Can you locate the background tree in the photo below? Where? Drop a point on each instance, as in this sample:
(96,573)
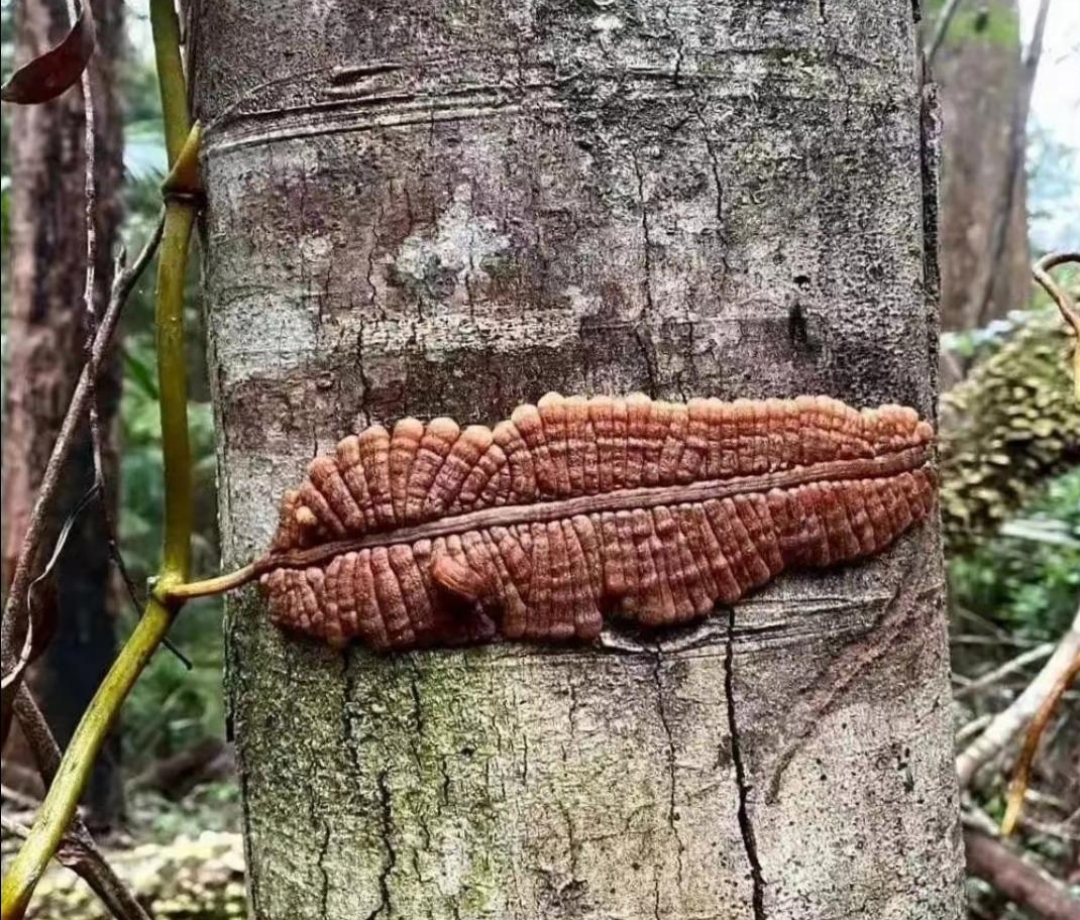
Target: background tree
(45,338)
(433,209)
(978,69)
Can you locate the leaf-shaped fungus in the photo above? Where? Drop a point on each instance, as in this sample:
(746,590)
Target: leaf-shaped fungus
(576,509)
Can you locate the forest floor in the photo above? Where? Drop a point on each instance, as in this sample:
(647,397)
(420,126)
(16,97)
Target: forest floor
(183,860)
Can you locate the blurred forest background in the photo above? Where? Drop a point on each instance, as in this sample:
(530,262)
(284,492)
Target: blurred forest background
(165,794)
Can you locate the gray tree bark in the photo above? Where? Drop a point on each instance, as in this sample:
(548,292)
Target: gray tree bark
(451,208)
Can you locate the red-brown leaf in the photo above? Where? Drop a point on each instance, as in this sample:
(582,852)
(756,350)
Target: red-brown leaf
(47,76)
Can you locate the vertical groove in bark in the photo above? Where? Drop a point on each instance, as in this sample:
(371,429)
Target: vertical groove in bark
(450,209)
(47,333)
(746,825)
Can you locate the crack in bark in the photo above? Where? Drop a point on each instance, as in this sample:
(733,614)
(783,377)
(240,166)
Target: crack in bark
(369,276)
(365,381)
(650,305)
(930,173)
(444,789)
(673,817)
(386,814)
(417,734)
(573,844)
(324,889)
(646,232)
(746,826)
(349,682)
(714,162)
(647,357)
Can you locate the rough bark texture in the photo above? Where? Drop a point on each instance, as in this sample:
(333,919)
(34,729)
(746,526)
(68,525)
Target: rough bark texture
(442,208)
(979,73)
(48,259)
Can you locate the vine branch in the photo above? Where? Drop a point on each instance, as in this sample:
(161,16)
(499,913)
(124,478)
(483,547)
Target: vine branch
(15,608)
(1070,313)
(181,191)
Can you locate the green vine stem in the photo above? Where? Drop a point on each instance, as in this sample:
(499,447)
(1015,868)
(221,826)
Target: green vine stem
(181,191)
(171,82)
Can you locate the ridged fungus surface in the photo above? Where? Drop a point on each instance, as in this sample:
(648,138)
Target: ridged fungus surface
(577,509)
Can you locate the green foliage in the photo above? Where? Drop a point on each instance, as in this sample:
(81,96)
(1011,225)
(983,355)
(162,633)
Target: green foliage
(1027,579)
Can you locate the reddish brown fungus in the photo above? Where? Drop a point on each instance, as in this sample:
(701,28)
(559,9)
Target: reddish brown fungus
(576,509)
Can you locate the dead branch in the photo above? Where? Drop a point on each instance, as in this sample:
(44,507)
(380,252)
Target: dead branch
(1019,881)
(1008,724)
(15,608)
(1022,776)
(19,798)
(941,29)
(976,686)
(79,852)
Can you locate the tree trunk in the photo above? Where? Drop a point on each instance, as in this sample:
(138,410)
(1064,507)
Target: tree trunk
(48,258)
(978,70)
(451,208)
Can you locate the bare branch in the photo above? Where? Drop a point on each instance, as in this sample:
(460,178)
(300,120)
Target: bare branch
(1069,311)
(90,316)
(14,609)
(973,687)
(1008,724)
(78,850)
(941,29)
(1018,880)
(1022,776)
(19,798)
(973,728)
(14,827)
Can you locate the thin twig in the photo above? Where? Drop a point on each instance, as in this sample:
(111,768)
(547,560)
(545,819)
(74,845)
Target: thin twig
(1022,775)
(92,360)
(996,642)
(44,508)
(1020,662)
(1041,271)
(1069,311)
(77,851)
(14,827)
(973,728)
(90,316)
(1057,831)
(941,28)
(1008,724)
(19,798)
(29,651)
